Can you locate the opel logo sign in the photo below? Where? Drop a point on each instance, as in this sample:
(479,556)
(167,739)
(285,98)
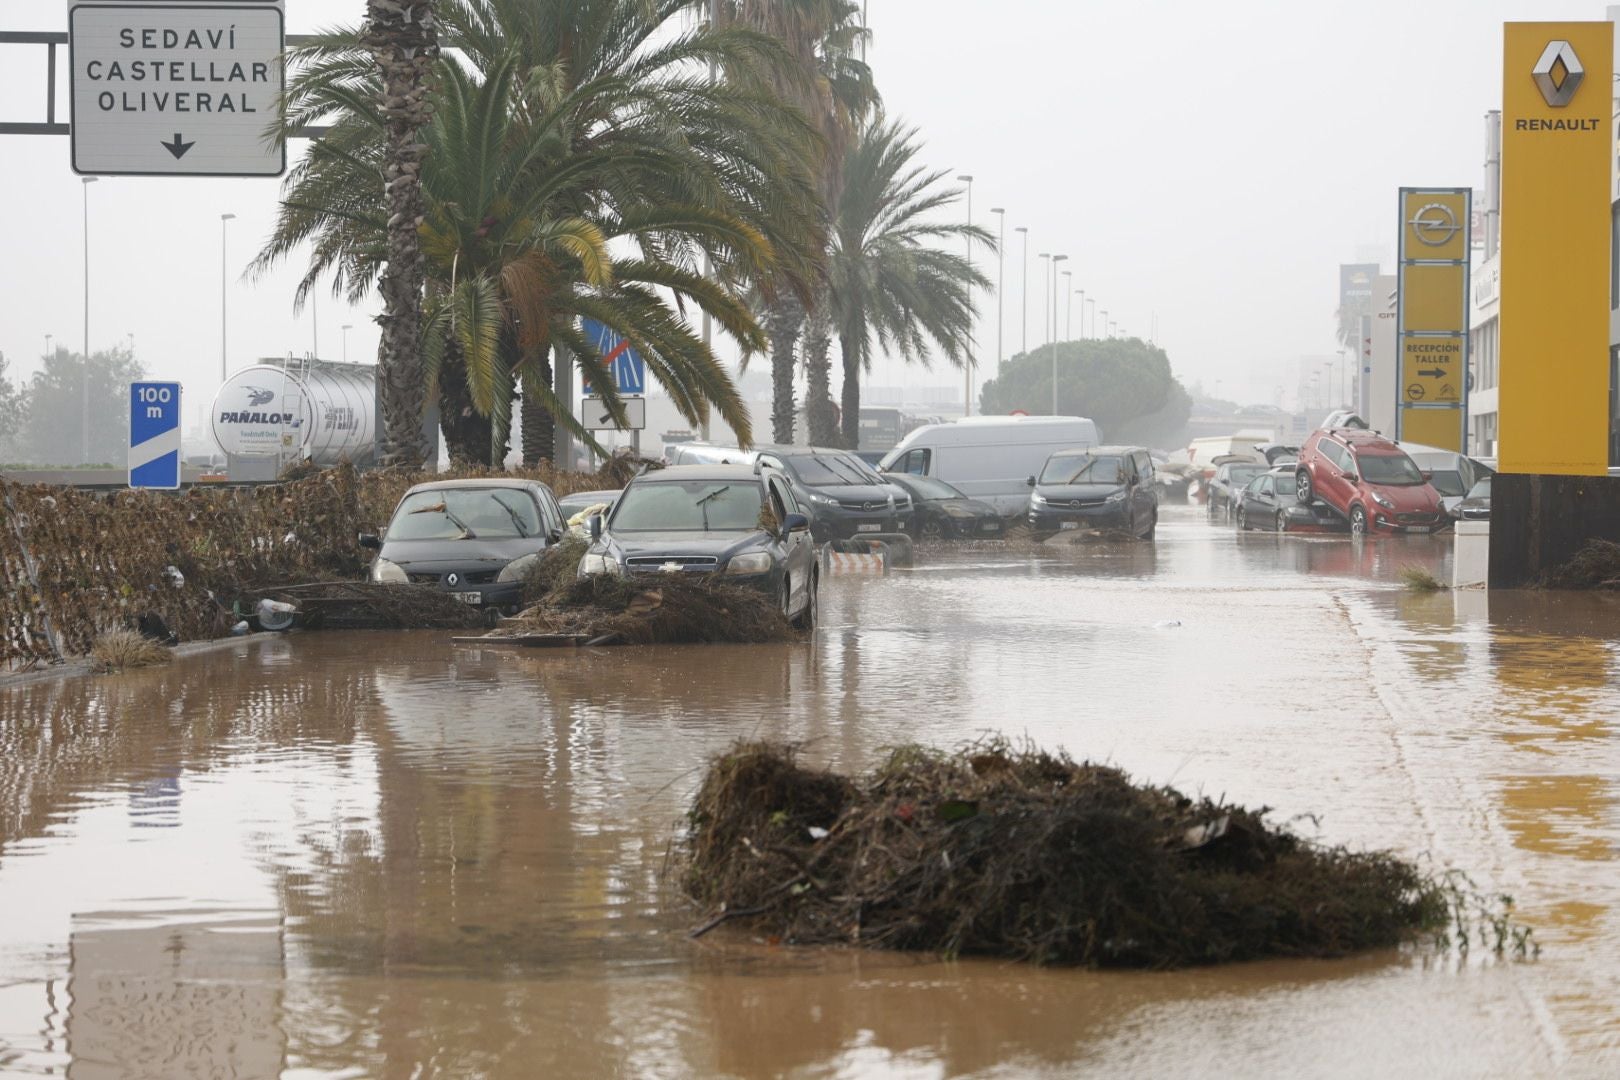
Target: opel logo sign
(452,579)
(1434,224)
(1558,73)
(869,506)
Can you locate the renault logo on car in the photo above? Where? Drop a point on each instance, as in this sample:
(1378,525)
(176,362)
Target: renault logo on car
(1434,224)
(1558,73)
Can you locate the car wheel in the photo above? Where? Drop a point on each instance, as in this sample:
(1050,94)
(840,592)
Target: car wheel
(787,597)
(1358,521)
(930,530)
(807,619)
(1153,526)
(1242,520)
(1282,521)
(1302,487)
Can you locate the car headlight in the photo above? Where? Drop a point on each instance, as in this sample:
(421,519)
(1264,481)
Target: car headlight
(1037,499)
(597,564)
(518,568)
(753,562)
(384,571)
(1384,501)
(1118,496)
(822,500)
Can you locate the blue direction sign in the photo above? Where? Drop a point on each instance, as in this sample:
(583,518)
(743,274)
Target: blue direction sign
(154,435)
(629,369)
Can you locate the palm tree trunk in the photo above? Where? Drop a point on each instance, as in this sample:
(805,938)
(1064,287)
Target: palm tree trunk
(819,414)
(539,426)
(851,403)
(403,39)
(466,434)
(782,323)
(500,425)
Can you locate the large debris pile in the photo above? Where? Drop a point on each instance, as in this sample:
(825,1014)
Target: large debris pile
(1595,566)
(642,609)
(1013,852)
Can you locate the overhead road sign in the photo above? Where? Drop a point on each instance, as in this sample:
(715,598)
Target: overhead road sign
(629,369)
(183,88)
(154,435)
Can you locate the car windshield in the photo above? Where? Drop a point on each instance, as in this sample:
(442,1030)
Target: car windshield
(690,506)
(1242,474)
(465,514)
(829,470)
(1396,470)
(1084,470)
(929,489)
(1447,481)
(1481,490)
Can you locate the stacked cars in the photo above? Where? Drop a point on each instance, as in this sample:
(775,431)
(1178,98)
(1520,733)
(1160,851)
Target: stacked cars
(1369,480)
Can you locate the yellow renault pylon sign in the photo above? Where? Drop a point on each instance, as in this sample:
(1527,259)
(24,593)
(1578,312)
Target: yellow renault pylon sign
(1554,392)
(1431,320)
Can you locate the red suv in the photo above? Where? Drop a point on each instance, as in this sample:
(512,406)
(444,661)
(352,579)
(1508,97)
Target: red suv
(1369,480)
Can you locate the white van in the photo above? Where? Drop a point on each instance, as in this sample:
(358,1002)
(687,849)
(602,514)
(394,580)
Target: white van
(990,458)
(1243,446)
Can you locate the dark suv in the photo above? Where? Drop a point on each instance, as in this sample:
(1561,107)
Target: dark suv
(842,494)
(1369,480)
(1103,487)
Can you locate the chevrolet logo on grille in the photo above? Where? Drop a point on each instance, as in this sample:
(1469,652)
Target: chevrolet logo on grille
(670,567)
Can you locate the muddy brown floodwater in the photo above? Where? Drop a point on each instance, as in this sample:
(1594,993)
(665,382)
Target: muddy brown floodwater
(386,855)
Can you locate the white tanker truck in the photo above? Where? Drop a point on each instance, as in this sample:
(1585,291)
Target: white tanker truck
(282,411)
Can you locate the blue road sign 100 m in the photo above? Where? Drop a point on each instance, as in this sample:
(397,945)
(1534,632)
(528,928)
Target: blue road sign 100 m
(154,435)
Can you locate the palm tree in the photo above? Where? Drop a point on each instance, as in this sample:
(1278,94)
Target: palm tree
(896,271)
(535,168)
(403,40)
(834,89)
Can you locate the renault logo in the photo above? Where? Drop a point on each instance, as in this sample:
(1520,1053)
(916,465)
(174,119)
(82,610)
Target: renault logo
(452,580)
(1558,73)
(1434,224)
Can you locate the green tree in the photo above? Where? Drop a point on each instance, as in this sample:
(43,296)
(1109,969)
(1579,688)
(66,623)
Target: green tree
(897,272)
(13,411)
(52,430)
(1124,384)
(833,87)
(575,166)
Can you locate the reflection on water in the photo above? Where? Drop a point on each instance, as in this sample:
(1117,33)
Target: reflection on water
(388,855)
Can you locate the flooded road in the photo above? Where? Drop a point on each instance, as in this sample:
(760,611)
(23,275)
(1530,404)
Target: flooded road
(386,855)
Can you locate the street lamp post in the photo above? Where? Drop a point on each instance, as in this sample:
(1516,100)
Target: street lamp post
(1082,293)
(1055,260)
(1105,323)
(1092,304)
(223,219)
(1068,305)
(84,382)
(1001,267)
(346,328)
(1046,290)
(48,345)
(1023,292)
(967,373)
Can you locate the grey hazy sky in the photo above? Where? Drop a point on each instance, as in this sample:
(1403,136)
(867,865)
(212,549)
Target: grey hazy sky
(1204,165)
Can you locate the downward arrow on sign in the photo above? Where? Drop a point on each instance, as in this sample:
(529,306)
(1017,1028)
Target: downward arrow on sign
(177,148)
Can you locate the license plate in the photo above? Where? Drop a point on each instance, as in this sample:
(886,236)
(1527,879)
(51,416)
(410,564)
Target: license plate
(469,597)
(873,527)
(1417,528)
(989,526)
(1068,524)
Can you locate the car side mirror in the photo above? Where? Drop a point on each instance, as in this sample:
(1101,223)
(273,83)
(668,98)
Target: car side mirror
(1029,482)
(795,523)
(595,527)
(371,540)
(556,535)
